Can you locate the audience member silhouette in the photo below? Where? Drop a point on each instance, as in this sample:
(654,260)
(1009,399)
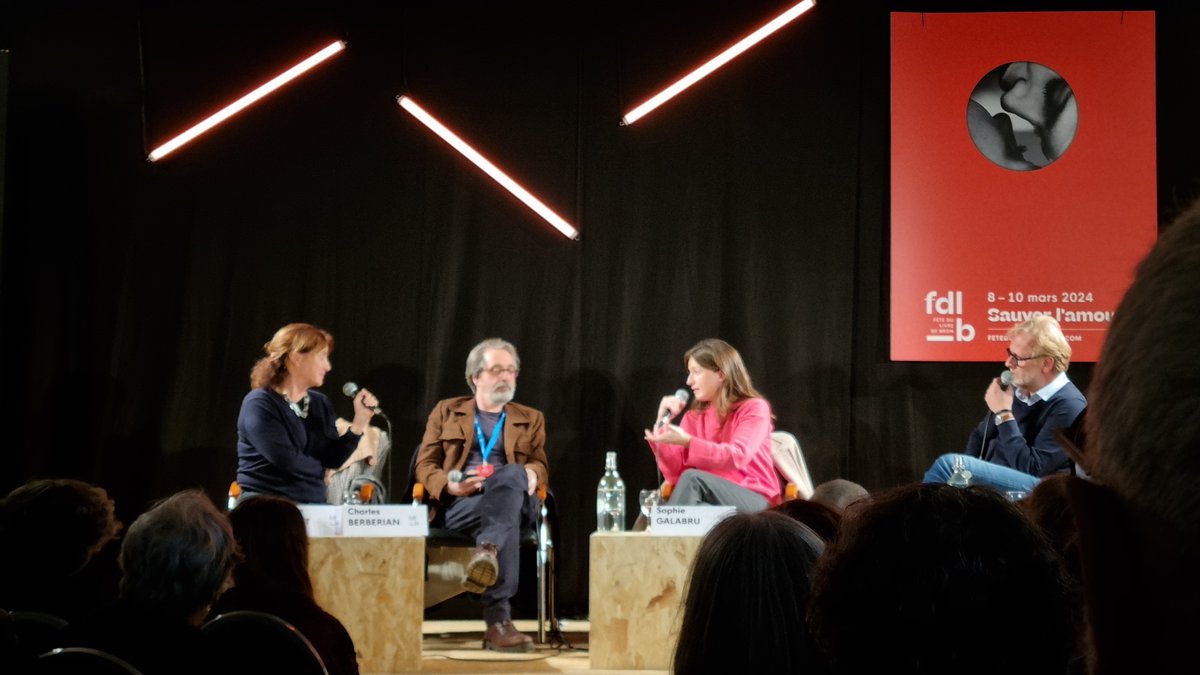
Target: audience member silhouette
(936,579)
(176,559)
(1139,516)
(819,518)
(746,599)
(1049,509)
(838,493)
(273,577)
(54,531)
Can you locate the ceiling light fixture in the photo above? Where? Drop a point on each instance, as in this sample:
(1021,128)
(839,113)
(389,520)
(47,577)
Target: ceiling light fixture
(487,167)
(245,101)
(716,62)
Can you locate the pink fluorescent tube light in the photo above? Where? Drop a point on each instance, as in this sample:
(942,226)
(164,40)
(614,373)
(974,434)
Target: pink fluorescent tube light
(716,62)
(245,101)
(488,168)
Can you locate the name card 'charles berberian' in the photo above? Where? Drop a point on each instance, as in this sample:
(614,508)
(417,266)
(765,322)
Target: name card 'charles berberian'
(686,520)
(384,520)
(365,520)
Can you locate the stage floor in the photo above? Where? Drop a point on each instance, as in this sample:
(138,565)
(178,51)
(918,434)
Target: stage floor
(454,647)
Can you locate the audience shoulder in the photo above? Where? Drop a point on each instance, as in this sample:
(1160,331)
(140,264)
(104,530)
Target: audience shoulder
(1142,429)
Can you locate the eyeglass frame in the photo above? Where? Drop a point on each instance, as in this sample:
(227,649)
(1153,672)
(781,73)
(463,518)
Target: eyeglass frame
(1018,359)
(497,371)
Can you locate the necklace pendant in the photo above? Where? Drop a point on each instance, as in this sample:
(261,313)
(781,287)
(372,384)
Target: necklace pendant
(299,407)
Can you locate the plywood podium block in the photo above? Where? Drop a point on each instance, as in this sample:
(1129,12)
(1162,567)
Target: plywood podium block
(638,582)
(375,586)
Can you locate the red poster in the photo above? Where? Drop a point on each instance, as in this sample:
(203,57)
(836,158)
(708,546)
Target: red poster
(1023,176)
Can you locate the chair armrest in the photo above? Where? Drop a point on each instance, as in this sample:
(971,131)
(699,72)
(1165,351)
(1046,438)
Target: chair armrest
(665,489)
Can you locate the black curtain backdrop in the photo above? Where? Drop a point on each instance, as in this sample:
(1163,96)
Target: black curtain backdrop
(754,207)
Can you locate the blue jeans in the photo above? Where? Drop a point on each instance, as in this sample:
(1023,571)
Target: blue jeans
(983,473)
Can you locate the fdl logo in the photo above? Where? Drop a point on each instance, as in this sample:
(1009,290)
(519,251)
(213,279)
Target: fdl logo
(946,312)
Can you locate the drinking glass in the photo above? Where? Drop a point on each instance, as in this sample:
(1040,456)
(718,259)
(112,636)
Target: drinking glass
(648,499)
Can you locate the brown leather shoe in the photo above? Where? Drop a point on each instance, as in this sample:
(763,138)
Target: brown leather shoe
(482,570)
(504,637)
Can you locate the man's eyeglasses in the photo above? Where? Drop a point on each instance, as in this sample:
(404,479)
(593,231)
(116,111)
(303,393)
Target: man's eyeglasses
(497,371)
(1019,359)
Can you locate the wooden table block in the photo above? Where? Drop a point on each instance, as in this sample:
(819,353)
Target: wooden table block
(638,583)
(375,586)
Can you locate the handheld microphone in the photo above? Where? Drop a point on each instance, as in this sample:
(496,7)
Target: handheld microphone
(682,395)
(1006,379)
(455,476)
(351,389)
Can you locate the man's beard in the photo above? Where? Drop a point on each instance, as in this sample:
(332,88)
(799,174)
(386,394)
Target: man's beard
(501,395)
(1022,382)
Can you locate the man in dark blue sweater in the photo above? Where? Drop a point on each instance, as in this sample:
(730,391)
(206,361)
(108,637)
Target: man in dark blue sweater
(1014,446)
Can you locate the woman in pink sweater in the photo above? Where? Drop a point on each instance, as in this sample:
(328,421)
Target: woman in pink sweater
(720,452)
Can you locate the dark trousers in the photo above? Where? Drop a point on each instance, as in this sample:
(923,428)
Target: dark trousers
(496,516)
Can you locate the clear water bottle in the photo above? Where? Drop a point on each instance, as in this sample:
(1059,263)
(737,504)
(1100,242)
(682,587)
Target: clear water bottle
(610,498)
(960,477)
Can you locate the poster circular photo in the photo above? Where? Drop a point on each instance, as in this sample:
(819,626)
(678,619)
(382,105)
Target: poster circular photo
(1022,116)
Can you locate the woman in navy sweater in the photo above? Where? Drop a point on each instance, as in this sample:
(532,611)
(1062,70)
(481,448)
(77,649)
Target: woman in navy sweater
(286,431)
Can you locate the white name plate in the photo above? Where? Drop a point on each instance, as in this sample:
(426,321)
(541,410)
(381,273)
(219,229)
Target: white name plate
(365,520)
(687,520)
(384,520)
(322,520)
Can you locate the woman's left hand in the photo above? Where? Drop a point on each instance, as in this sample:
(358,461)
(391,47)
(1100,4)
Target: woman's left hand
(669,434)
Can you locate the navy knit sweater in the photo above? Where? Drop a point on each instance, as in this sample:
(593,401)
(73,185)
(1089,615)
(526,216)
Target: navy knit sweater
(280,453)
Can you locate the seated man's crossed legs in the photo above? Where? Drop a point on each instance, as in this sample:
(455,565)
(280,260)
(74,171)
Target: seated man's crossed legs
(494,517)
(985,473)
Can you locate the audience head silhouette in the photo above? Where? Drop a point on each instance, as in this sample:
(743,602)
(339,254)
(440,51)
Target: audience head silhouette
(53,532)
(746,598)
(1138,518)
(818,517)
(838,493)
(177,557)
(1142,431)
(273,578)
(274,544)
(58,523)
(921,576)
